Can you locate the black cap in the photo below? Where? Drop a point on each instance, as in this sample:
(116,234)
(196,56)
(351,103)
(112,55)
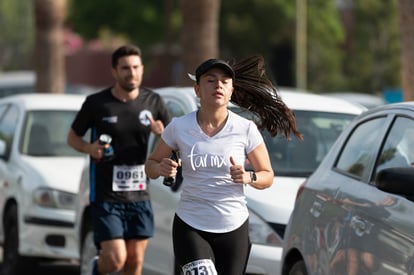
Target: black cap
(209,64)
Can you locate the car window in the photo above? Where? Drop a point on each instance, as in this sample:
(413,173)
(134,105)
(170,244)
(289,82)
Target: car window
(8,126)
(7,91)
(297,158)
(355,156)
(3,109)
(174,108)
(45,133)
(398,149)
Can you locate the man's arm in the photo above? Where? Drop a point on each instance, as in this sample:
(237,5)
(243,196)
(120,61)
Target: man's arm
(95,150)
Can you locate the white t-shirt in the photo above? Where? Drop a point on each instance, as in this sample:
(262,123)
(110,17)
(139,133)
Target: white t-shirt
(210,200)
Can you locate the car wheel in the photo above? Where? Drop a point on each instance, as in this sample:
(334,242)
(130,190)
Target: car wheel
(88,251)
(298,268)
(13,263)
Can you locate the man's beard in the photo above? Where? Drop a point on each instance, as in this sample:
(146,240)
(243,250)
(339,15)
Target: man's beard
(128,87)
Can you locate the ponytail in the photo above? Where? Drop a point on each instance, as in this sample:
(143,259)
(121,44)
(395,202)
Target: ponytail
(254,92)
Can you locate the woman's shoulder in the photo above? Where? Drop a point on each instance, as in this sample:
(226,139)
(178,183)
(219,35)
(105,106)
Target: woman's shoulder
(237,118)
(241,124)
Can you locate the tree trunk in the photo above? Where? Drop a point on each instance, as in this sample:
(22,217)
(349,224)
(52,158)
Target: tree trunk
(49,62)
(406,15)
(199,35)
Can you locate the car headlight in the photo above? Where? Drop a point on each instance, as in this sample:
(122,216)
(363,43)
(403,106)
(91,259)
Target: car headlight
(261,233)
(52,198)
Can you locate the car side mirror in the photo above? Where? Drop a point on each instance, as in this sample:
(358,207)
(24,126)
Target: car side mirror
(398,180)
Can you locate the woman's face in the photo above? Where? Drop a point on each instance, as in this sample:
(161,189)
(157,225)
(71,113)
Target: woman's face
(214,88)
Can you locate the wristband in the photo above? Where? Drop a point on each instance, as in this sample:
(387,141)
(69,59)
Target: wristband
(253,177)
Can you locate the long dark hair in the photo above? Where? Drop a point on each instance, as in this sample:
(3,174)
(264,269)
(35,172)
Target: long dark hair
(254,91)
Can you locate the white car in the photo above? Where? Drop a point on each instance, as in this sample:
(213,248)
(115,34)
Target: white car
(39,180)
(321,119)
(23,82)
(368,100)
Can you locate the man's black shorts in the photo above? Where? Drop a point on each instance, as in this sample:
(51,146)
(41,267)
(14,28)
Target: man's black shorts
(133,220)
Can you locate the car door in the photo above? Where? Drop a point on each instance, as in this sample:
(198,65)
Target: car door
(331,207)
(393,213)
(377,237)
(9,115)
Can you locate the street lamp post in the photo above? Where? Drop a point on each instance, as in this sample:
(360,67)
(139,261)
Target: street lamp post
(301,52)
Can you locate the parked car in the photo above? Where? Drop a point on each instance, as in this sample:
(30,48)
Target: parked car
(320,118)
(23,82)
(354,215)
(39,180)
(368,100)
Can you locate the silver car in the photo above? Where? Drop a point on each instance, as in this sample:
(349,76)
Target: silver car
(354,215)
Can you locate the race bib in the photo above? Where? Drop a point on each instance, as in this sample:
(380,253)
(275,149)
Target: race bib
(200,267)
(129,178)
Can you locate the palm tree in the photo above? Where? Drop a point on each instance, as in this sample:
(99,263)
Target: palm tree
(49,64)
(406,14)
(199,35)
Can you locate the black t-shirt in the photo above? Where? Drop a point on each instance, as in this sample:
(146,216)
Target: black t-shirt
(127,124)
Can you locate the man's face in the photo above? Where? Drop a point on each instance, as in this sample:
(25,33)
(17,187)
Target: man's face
(128,73)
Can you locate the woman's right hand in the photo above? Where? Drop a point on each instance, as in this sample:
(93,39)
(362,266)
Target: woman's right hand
(168,167)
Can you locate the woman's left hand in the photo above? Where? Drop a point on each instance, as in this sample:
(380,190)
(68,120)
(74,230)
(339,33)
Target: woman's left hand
(237,173)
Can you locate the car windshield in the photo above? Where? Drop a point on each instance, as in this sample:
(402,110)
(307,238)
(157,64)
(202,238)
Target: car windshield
(297,158)
(45,134)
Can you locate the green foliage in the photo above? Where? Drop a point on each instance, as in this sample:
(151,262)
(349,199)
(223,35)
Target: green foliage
(253,26)
(325,37)
(247,27)
(373,62)
(16,34)
(140,21)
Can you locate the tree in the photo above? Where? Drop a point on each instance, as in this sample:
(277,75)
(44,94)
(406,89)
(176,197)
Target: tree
(406,16)
(268,28)
(199,35)
(49,51)
(372,62)
(369,63)
(16,34)
(264,27)
(141,21)
(325,54)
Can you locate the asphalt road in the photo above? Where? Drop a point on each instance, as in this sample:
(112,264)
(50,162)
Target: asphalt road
(61,268)
(57,268)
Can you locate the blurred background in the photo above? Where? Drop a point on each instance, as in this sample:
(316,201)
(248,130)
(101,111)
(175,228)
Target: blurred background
(324,46)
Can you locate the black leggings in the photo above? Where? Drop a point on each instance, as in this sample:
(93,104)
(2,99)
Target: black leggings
(194,248)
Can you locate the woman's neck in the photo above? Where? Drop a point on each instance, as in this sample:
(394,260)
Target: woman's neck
(212,123)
